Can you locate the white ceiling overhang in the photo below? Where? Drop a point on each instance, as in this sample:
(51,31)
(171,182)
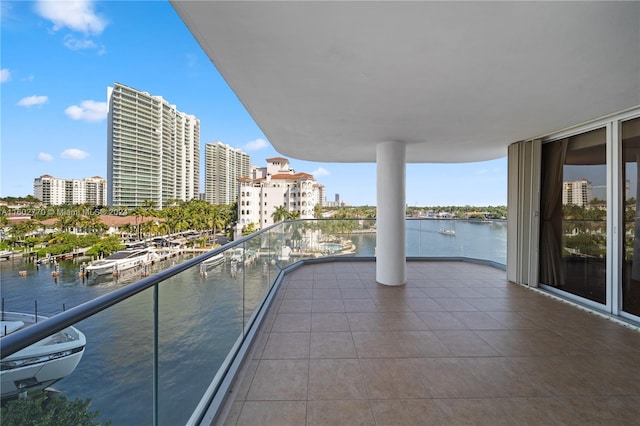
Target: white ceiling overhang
(456,81)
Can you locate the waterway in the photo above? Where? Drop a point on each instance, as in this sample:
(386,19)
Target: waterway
(200,319)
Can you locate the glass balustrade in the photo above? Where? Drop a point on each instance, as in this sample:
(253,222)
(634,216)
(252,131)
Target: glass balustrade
(158,355)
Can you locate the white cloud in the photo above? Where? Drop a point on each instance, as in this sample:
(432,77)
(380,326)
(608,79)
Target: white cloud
(33,100)
(77,15)
(256,145)
(320,171)
(5,75)
(73,43)
(43,156)
(88,111)
(74,154)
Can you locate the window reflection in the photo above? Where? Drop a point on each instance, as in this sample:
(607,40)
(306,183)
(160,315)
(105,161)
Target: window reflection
(573,215)
(631,244)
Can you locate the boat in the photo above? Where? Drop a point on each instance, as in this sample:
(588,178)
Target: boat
(122,260)
(450,232)
(41,364)
(214,260)
(5,254)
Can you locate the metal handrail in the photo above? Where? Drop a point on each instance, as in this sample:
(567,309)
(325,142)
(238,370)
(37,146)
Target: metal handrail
(20,339)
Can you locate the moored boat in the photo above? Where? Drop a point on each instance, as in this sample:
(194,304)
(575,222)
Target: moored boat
(42,363)
(122,260)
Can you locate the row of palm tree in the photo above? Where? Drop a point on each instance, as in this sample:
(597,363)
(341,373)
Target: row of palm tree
(180,216)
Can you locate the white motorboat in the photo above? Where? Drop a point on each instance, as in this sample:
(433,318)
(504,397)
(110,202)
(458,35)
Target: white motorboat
(122,260)
(214,260)
(450,232)
(42,363)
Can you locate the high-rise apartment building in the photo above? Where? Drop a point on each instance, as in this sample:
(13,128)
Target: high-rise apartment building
(274,186)
(223,167)
(153,152)
(56,191)
(577,193)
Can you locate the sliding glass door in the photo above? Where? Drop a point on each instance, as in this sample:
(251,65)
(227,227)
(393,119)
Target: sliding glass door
(630,291)
(573,212)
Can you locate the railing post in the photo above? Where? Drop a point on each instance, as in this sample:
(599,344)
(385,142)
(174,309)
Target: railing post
(155,355)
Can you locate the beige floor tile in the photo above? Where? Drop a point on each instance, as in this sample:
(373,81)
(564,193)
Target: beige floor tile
(339,413)
(280,380)
(336,321)
(359,305)
(530,343)
(441,320)
(292,322)
(483,411)
(327,305)
(406,412)
(290,345)
(326,293)
(354,293)
(336,379)
(448,378)
(465,343)
(295,306)
(392,379)
(272,413)
(477,321)
(332,344)
(385,321)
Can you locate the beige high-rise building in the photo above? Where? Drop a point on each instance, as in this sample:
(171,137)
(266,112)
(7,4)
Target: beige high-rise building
(54,191)
(224,166)
(153,152)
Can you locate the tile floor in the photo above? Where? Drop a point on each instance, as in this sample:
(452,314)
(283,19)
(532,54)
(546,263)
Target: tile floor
(456,345)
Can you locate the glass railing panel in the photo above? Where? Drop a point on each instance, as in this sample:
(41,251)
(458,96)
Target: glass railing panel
(433,238)
(200,321)
(114,370)
(485,240)
(338,237)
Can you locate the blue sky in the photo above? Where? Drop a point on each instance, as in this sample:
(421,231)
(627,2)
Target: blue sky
(59,57)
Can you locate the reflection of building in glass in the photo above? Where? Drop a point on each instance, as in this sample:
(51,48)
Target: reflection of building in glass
(577,193)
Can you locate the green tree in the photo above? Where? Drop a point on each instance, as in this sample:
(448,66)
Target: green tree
(40,410)
(279,214)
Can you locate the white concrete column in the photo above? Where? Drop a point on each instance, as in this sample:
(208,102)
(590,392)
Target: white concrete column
(390,235)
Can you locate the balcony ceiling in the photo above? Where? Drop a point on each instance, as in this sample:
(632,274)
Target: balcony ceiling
(456,81)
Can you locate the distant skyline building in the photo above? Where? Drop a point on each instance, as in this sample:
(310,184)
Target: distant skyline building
(577,193)
(54,191)
(153,150)
(223,167)
(274,186)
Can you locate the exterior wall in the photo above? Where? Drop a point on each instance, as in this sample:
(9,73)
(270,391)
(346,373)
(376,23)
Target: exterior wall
(153,150)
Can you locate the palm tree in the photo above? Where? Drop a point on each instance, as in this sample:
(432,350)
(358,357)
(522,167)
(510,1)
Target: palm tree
(279,214)
(139,213)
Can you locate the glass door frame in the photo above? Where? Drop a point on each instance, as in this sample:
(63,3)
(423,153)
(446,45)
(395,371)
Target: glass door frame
(615,212)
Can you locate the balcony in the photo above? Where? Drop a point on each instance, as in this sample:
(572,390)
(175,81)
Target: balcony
(306,336)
